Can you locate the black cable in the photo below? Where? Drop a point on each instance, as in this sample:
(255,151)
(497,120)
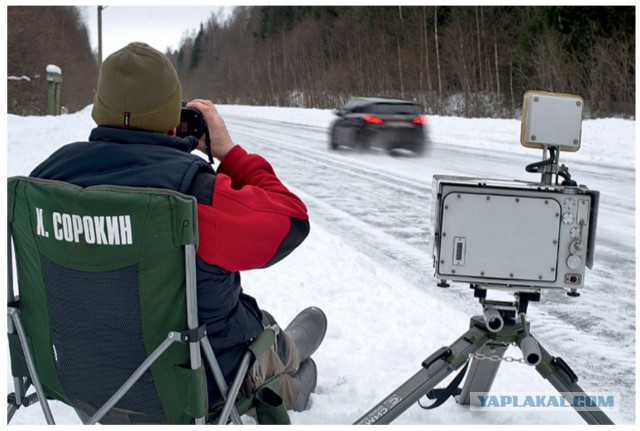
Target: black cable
(564,173)
(207,141)
(535,167)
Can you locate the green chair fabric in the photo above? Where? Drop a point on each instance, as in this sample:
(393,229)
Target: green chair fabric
(104,267)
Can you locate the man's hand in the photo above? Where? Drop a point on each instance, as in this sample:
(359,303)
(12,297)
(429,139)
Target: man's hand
(221,142)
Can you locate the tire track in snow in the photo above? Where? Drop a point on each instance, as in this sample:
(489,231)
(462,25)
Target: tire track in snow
(368,209)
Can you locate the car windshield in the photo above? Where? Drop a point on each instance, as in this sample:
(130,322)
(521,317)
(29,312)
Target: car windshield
(393,108)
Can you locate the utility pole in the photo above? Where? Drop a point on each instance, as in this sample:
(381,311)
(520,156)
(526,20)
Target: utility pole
(100,8)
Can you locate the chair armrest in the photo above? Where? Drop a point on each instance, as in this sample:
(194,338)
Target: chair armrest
(264,341)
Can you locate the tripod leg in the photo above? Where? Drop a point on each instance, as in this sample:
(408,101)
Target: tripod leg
(565,381)
(481,374)
(435,368)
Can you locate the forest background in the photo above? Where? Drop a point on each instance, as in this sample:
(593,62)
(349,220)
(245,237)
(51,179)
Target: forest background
(468,61)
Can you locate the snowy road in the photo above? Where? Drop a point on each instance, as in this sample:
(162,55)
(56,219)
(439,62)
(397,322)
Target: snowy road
(381,206)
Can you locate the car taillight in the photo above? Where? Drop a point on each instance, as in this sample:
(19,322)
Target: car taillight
(421,120)
(372,119)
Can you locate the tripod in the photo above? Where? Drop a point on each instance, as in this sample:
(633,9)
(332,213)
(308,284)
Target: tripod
(488,336)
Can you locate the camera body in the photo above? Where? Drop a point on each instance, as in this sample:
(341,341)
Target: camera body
(192,123)
(510,234)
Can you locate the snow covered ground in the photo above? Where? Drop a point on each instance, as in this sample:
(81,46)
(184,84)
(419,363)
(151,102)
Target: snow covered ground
(367,261)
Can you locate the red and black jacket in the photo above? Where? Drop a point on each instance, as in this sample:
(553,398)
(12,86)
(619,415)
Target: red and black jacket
(247,219)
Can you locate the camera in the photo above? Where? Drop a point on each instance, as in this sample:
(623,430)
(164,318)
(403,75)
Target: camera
(518,235)
(192,123)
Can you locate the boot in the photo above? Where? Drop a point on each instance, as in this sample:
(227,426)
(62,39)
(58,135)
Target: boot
(307,375)
(307,330)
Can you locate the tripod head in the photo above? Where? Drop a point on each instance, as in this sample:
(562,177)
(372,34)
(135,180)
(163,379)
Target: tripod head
(497,312)
(507,320)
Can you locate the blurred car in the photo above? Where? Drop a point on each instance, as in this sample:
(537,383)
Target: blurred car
(389,124)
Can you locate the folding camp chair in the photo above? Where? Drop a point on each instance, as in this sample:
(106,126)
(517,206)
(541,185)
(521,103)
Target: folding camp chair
(105,319)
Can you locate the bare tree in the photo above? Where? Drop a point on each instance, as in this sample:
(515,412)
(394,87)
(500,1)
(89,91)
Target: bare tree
(484,57)
(435,31)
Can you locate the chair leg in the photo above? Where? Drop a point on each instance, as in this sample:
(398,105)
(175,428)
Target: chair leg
(14,314)
(13,407)
(219,378)
(235,388)
(15,399)
(171,338)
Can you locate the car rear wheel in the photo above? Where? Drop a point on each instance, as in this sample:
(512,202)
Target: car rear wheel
(419,149)
(362,141)
(333,145)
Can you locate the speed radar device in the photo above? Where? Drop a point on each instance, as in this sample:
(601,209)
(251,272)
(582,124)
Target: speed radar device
(507,234)
(519,237)
(515,234)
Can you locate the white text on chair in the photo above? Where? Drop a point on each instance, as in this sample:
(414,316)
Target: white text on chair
(103,230)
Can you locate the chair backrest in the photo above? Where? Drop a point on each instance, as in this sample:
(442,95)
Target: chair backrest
(101,280)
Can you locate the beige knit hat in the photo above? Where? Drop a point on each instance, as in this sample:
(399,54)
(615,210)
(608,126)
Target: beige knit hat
(138,88)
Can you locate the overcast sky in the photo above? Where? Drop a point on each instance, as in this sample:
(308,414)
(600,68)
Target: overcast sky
(159,26)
